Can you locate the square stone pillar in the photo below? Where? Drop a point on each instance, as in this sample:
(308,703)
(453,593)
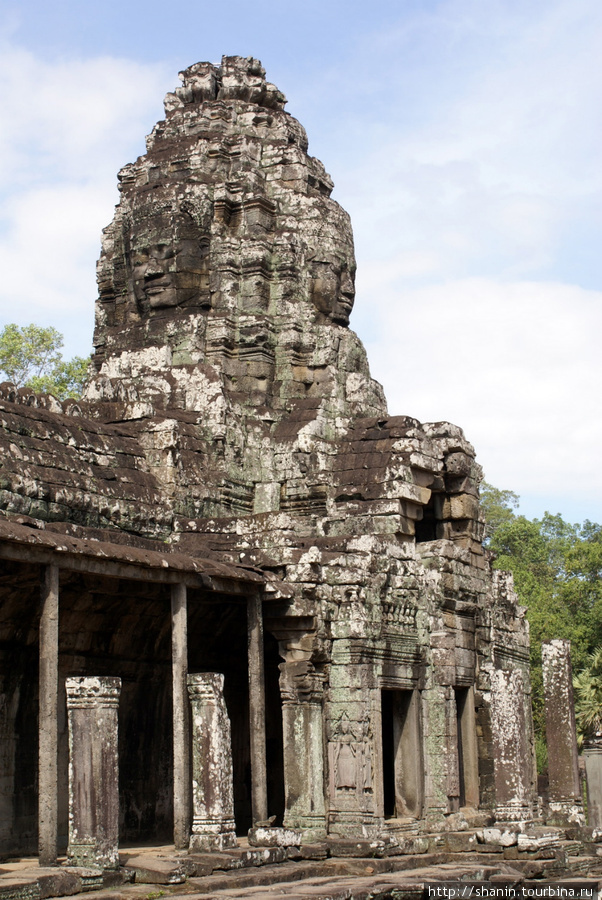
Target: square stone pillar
(92,704)
(592,754)
(212,776)
(513,760)
(180,717)
(259,781)
(565,804)
(48,720)
(302,690)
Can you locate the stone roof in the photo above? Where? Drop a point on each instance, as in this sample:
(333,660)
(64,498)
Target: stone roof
(20,541)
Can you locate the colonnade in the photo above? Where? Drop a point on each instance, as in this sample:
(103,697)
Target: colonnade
(203,814)
(92,711)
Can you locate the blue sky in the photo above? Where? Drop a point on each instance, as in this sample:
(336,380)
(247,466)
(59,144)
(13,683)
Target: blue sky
(463,137)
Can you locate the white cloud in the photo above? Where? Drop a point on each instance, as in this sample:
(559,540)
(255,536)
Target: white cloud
(477,213)
(73,119)
(66,128)
(517,365)
(45,254)
(485,154)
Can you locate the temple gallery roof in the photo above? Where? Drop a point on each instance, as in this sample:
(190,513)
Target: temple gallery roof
(28,540)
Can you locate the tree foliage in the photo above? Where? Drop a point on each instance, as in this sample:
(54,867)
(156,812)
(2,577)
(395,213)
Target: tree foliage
(30,357)
(497,507)
(557,569)
(587,685)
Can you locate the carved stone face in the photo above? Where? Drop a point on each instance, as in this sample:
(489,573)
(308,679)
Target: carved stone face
(169,264)
(332,288)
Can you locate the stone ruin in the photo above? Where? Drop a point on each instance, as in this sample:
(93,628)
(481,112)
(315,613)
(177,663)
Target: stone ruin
(275,588)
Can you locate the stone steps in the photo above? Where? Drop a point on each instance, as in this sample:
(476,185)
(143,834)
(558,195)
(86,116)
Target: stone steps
(56,881)
(150,873)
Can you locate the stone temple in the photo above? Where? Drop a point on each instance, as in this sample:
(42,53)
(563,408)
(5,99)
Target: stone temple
(261,594)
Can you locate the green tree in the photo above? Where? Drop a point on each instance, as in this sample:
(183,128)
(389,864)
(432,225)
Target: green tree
(497,507)
(30,357)
(556,568)
(587,685)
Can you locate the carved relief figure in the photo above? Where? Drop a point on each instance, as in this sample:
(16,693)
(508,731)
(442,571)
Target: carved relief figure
(352,614)
(365,755)
(345,760)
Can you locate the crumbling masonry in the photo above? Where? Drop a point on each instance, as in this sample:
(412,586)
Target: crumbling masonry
(230,520)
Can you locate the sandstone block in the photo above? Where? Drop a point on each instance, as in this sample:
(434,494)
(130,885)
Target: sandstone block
(260,836)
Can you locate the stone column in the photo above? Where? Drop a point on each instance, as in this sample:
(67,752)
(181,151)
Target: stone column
(92,704)
(593,769)
(409,766)
(302,691)
(439,761)
(453,749)
(48,722)
(212,777)
(181,717)
(470,750)
(565,805)
(259,786)
(513,762)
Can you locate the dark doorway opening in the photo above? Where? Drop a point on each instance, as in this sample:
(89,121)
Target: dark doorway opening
(217,642)
(388,753)
(273,730)
(461,696)
(402,754)
(426,528)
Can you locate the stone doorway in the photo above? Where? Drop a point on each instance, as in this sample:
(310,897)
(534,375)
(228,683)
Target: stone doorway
(468,773)
(403,790)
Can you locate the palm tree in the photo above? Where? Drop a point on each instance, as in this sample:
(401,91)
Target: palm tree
(587,686)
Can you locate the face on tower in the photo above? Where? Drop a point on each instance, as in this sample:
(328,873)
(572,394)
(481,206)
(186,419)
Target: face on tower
(332,287)
(168,262)
(226,213)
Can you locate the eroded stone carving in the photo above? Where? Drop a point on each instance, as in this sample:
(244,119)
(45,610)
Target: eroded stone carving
(345,756)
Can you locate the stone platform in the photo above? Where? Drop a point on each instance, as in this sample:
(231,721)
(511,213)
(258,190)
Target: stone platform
(346,869)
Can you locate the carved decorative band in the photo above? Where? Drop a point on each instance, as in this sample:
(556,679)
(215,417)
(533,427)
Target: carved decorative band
(92,691)
(212,825)
(298,698)
(207,687)
(513,813)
